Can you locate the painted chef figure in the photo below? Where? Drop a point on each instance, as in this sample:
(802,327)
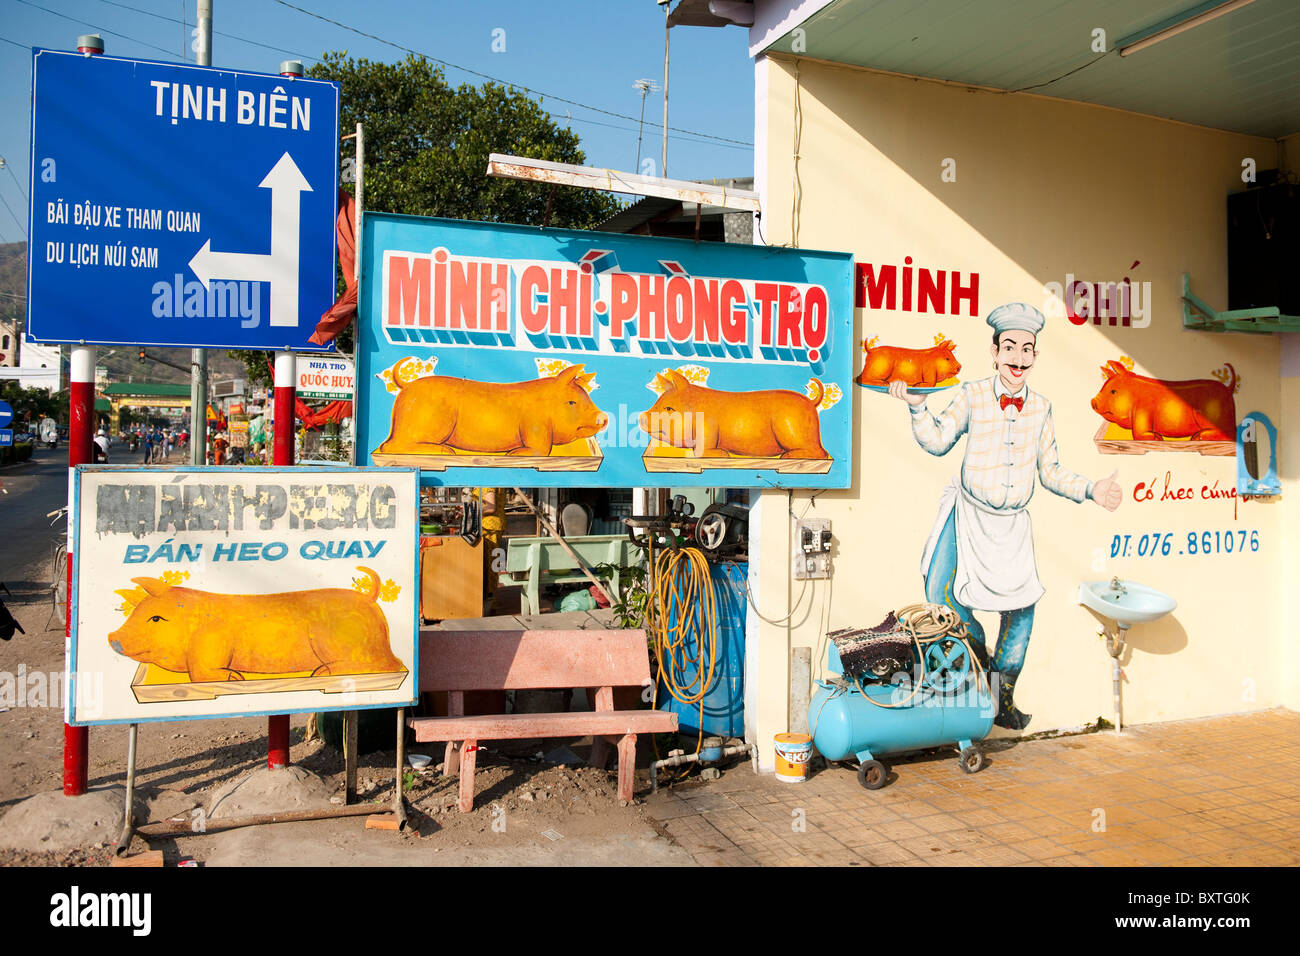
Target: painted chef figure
(980,554)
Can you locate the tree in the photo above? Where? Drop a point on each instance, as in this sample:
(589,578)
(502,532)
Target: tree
(427,147)
(29,404)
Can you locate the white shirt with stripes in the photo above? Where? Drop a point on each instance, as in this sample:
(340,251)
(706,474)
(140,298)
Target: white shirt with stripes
(1004,448)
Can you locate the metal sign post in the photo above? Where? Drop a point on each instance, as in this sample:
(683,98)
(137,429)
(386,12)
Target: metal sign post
(277,725)
(286,382)
(81,420)
(81,431)
(199,357)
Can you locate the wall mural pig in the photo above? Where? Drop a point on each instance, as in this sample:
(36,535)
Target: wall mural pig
(1155,409)
(913,367)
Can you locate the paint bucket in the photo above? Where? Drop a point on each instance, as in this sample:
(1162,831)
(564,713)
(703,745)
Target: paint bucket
(792,753)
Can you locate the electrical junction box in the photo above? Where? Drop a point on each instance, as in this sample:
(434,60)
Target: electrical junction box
(811,548)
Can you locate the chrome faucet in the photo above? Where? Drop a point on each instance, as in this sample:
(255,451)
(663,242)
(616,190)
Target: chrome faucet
(1117,586)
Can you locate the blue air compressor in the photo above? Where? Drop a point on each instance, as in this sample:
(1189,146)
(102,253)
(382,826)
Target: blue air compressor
(911,683)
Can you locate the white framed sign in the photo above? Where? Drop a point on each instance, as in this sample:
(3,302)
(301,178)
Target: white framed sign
(223,592)
(325,377)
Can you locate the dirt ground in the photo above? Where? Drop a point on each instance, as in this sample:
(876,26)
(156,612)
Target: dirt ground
(526,810)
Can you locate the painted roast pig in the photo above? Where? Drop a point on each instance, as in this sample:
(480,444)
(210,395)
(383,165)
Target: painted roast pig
(439,415)
(1154,409)
(923,367)
(716,424)
(328,631)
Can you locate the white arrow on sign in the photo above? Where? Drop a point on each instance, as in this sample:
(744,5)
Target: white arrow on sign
(280,268)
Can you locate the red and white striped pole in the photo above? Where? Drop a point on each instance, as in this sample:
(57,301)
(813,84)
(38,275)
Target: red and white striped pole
(81,439)
(286,383)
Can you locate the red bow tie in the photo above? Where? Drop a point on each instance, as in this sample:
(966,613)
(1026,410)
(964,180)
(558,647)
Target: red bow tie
(1018,401)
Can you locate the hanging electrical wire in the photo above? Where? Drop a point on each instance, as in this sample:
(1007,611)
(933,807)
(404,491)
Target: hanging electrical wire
(87,23)
(507,83)
(228,36)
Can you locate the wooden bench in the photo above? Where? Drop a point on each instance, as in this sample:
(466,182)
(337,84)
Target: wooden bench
(460,661)
(534,562)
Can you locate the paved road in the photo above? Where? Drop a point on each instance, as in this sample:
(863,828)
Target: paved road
(34,488)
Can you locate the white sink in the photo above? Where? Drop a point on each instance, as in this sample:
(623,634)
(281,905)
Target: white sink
(1125,602)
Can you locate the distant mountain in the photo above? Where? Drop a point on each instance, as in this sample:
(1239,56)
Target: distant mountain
(122,361)
(13,281)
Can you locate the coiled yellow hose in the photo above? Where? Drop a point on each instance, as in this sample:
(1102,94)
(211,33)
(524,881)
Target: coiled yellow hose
(682,592)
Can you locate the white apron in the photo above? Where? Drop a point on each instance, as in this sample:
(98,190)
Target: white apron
(995,553)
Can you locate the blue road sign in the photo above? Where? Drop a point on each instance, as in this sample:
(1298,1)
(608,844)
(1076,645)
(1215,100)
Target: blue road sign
(6,437)
(6,414)
(179,205)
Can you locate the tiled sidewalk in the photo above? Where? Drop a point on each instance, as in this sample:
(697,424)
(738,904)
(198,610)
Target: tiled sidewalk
(1214,792)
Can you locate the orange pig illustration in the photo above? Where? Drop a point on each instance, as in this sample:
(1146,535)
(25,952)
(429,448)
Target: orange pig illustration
(717,424)
(1154,409)
(438,415)
(217,637)
(914,367)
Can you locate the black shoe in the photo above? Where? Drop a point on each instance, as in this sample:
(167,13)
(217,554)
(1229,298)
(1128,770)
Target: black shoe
(1008,716)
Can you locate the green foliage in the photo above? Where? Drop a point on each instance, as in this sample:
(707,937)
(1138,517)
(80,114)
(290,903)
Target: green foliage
(255,363)
(30,403)
(633,606)
(427,145)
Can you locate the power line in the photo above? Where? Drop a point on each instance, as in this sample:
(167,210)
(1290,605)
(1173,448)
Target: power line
(21,227)
(9,166)
(305,56)
(87,23)
(628,129)
(494,79)
(20,46)
(229,36)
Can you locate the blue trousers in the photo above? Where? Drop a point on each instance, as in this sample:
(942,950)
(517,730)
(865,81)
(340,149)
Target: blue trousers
(1015,627)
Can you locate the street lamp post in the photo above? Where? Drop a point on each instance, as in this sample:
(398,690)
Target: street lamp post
(663,159)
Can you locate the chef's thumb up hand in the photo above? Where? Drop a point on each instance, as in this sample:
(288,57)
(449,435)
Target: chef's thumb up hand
(1107,492)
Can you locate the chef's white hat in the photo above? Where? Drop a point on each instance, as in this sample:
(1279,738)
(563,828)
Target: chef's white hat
(1016,316)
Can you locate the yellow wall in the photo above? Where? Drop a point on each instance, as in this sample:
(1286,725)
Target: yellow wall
(1043,188)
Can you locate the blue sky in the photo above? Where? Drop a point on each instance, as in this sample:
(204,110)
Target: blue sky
(587,51)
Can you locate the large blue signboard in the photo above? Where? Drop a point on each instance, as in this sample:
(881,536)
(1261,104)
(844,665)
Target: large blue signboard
(497,355)
(179,205)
